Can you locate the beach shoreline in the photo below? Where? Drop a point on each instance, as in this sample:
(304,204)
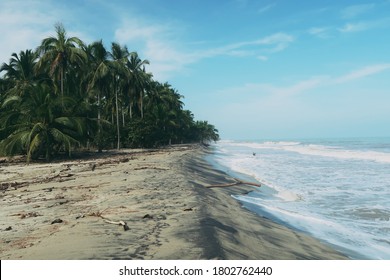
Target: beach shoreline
(138,204)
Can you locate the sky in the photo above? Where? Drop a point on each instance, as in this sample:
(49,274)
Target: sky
(255,69)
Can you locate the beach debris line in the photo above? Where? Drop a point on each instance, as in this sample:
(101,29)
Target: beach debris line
(235,183)
(56,178)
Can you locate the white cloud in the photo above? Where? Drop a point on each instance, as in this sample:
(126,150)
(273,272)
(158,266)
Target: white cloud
(135,30)
(365,25)
(266,8)
(265,89)
(316,30)
(355,27)
(262,57)
(270,44)
(302,86)
(158,43)
(356,10)
(361,73)
(23,25)
(277,41)
(320,32)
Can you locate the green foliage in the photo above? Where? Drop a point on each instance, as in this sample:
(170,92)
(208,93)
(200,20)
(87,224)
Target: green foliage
(143,133)
(206,132)
(67,95)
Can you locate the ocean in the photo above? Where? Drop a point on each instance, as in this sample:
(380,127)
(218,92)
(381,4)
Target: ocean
(337,190)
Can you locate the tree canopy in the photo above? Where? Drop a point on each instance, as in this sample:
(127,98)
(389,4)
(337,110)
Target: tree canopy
(66,95)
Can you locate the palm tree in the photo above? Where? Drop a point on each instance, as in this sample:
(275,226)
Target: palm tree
(99,82)
(186,120)
(206,132)
(20,72)
(164,105)
(139,79)
(119,55)
(57,53)
(34,124)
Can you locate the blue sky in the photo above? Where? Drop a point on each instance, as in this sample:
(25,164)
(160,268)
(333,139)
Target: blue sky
(255,69)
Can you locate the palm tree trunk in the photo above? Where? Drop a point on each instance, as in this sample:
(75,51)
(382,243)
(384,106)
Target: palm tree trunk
(62,86)
(142,104)
(99,127)
(117,120)
(123,117)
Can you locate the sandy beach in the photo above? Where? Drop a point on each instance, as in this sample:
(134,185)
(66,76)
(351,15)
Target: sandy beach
(137,204)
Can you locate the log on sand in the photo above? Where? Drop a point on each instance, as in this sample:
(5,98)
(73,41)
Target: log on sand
(236,183)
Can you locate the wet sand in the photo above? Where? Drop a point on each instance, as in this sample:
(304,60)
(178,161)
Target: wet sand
(137,204)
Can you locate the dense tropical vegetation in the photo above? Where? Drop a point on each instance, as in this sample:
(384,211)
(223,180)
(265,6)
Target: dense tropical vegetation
(67,95)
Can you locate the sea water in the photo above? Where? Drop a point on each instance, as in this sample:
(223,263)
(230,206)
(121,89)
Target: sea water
(337,190)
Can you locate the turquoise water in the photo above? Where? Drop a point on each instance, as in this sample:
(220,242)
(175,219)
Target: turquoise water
(338,190)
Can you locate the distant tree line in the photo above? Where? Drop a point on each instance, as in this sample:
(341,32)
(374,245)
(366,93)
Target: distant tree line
(67,95)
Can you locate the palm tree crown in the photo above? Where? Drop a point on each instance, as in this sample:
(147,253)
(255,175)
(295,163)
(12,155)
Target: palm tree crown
(57,53)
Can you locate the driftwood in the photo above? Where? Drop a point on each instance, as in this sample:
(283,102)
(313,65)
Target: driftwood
(120,223)
(237,182)
(27,215)
(151,167)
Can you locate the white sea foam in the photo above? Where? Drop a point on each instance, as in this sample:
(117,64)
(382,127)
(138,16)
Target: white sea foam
(288,215)
(288,196)
(317,150)
(336,190)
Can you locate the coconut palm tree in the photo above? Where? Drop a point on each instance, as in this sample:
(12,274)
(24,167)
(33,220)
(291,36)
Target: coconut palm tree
(35,125)
(119,58)
(58,53)
(20,72)
(139,79)
(206,132)
(100,79)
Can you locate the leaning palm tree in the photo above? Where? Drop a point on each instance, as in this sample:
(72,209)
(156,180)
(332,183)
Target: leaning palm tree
(58,53)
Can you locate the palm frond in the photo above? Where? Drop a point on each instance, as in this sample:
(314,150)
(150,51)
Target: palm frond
(11,101)
(14,143)
(63,138)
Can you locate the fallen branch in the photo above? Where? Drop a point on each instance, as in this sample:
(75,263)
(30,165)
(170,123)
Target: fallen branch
(150,167)
(120,223)
(237,182)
